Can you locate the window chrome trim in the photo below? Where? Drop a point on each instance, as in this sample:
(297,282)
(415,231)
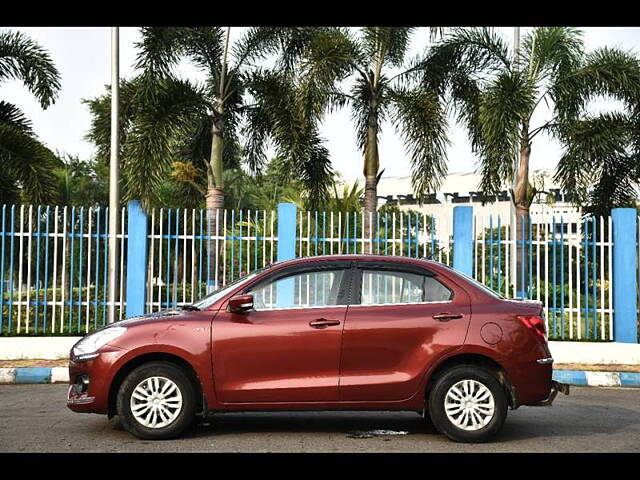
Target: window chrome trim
(298,308)
(395,304)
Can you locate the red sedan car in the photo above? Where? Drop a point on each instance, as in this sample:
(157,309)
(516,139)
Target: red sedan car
(344,332)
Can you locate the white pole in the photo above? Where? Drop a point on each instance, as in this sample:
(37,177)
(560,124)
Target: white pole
(512,207)
(114,194)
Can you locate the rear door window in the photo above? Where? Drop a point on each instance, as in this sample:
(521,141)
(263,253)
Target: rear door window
(384,287)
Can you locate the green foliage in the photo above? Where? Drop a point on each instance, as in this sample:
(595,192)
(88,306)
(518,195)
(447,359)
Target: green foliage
(23,59)
(26,162)
(495,94)
(82,182)
(168,121)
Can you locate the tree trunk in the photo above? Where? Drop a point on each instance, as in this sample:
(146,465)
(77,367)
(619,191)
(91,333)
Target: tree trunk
(214,203)
(214,200)
(371,165)
(522,201)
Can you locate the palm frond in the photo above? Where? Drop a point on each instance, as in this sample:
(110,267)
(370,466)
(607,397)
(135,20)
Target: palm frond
(505,104)
(361,102)
(391,42)
(593,145)
(476,49)
(328,59)
(160,50)
(29,163)
(604,72)
(151,147)
(616,187)
(99,132)
(277,117)
(12,115)
(551,51)
(421,121)
(204,47)
(23,59)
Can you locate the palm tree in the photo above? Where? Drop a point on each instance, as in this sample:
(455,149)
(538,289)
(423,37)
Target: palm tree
(190,132)
(383,89)
(496,92)
(25,162)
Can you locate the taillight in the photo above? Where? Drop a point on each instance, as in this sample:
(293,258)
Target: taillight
(535,323)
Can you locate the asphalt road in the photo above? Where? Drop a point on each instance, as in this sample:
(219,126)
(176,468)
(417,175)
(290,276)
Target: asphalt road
(34,418)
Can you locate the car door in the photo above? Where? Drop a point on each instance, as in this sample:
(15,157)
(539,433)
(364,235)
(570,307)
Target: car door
(288,348)
(401,319)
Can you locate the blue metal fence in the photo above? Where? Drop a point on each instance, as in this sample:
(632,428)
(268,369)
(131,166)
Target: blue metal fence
(53,269)
(53,266)
(566,262)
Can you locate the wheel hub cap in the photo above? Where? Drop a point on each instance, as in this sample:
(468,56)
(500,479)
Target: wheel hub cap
(156,402)
(469,405)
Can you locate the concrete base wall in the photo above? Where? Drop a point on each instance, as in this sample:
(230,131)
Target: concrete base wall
(610,353)
(46,348)
(596,353)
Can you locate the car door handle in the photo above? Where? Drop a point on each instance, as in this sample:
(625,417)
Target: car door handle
(446,316)
(323,323)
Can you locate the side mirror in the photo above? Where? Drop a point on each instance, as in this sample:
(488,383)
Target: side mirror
(241,303)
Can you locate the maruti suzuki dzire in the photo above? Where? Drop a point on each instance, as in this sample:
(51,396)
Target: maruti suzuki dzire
(340,332)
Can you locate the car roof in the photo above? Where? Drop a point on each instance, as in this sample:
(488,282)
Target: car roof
(359,257)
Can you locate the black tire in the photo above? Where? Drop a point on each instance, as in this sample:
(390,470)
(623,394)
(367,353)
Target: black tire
(167,370)
(436,404)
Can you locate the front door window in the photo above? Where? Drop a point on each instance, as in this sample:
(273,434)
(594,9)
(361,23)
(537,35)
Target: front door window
(301,290)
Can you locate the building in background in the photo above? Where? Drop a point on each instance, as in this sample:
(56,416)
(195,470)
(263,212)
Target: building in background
(462,189)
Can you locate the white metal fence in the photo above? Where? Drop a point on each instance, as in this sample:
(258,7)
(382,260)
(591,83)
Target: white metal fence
(180,270)
(54,269)
(568,267)
(53,266)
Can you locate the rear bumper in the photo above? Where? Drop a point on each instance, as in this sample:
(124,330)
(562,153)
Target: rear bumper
(555,388)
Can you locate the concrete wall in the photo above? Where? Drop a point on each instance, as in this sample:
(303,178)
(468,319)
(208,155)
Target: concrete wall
(594,353)
(609,353)
(47,348)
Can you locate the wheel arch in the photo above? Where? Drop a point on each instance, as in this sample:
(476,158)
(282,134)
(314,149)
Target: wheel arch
(147,357)
(475,359)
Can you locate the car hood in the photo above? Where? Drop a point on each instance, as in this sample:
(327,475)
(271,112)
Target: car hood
(150,317)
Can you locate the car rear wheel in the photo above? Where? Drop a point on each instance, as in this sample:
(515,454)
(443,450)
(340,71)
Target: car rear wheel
(468,404)
(156,401)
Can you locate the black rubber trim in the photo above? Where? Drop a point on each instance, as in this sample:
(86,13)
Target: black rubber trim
(395,266)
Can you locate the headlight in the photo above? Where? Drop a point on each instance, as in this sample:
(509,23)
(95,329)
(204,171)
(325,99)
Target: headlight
(91,343)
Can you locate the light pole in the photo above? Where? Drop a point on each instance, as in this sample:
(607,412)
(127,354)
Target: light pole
(514,219)
(114,194)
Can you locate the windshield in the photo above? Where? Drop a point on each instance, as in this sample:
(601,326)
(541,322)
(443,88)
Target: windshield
(216,295)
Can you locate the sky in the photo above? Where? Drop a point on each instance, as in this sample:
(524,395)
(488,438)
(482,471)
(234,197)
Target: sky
(83,58)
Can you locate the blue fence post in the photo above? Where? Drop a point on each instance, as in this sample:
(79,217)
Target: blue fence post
(286,250)
(136,259)
(463,239)
(625,320)
(286,231)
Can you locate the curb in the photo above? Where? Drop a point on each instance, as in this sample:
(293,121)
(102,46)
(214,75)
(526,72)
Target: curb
(597,379)
(34,375)
(572,377)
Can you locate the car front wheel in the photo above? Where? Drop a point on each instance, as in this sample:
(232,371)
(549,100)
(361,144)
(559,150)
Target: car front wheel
(156,401)
(468,404)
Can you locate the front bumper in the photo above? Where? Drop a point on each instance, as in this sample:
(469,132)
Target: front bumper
(555,388)
(99,374)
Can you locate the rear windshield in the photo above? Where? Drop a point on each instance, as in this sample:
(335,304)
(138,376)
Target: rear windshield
(476,283)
